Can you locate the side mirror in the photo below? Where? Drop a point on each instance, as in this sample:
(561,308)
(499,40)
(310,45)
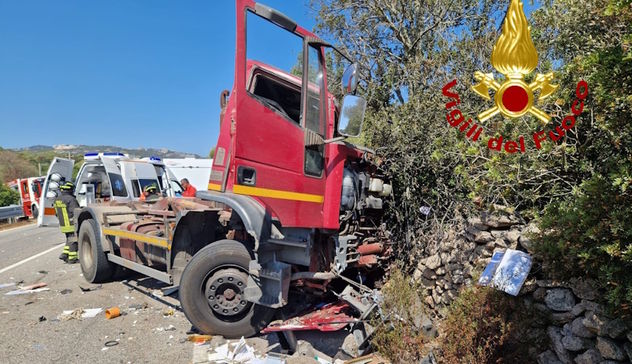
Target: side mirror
(351,116)
(350,80)
(51,194)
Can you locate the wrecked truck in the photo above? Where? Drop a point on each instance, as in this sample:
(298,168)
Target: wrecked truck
(291,206)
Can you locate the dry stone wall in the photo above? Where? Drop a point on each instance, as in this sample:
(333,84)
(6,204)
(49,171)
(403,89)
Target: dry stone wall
(578,327)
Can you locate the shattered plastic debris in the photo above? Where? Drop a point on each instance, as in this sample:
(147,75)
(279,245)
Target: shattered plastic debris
(90,289)
(199,339)
(240,353)
(168,328)
(5,285)
(66,291)
(232,353)
(112,312)
(33,288)
(138,306)
(168,312)
(157,293)
(79,313)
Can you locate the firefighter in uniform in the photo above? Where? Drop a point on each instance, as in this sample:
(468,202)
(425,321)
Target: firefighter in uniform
(65,206)
(150,193)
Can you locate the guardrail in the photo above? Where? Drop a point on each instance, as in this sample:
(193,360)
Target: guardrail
(8,212)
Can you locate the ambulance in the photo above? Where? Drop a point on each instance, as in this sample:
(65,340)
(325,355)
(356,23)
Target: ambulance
(109,176)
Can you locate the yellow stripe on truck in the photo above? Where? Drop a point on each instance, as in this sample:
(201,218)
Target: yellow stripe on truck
(153,240)
(214,187)
(280,194)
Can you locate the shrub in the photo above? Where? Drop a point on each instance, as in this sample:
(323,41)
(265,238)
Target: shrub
(8,196)
(400,340)
(487,326)
(590,235)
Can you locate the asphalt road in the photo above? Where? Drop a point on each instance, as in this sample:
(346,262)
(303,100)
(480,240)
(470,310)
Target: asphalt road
(151,330)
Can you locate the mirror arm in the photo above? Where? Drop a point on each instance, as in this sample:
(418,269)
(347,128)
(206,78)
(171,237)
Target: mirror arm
(334,139)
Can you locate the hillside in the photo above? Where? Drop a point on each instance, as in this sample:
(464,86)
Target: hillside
(34,160)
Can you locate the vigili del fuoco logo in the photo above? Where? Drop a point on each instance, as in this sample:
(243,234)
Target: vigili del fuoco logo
(515,57)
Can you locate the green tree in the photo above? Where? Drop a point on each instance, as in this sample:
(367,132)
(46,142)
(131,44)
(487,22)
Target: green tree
(410,50)
(8,196)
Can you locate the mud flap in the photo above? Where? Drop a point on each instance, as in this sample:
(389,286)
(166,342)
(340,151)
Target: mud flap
(268,285)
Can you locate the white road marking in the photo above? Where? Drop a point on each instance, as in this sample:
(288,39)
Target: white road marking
(31,258)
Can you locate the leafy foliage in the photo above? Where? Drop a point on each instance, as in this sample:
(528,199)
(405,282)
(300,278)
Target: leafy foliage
(486,326)
(410,50)
(8,196)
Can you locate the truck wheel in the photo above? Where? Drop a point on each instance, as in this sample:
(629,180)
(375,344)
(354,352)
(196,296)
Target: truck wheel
(34,211)
(211,292)
(94,264)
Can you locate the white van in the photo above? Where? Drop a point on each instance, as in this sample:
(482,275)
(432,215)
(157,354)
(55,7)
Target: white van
(106,177)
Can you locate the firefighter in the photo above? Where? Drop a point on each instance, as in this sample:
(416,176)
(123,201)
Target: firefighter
(150,193)
(65,206)
(189,190)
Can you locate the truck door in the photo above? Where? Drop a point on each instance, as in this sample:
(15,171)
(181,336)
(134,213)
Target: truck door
(64,168)
(275,114)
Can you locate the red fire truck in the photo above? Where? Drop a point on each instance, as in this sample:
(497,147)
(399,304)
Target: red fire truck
(292,209)
(30,190)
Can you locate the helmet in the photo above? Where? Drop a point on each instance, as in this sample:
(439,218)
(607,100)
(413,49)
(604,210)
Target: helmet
(150,188)
(56,177)
(67,186)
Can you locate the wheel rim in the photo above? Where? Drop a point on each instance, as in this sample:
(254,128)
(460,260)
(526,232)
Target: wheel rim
(224,292)
(86,252)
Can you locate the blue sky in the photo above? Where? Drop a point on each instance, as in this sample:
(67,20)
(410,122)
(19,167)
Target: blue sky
(120,72)
(129,73)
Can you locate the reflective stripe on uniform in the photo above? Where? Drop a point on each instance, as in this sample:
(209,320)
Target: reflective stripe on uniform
(64,225)
(72,254)
(66,248)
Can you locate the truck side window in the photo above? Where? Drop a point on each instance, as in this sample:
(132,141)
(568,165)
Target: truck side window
(314,120)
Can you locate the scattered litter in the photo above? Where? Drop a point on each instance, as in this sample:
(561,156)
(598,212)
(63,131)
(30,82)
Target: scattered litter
(240,353)
(112,312)
(104,349)
(507,271)
(42,272)
(5,285)
(138,306)
(33,288)
(168,312)
(66,291)
(111,343)
(157,293)
(368,359)
(71,314)
(5,312)
(79,313)
(170,337)
(90,289)
(168,328)
(42,319)
(199,339)
(91,312)
(29,303)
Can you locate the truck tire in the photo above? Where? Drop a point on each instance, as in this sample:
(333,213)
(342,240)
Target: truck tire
(94,264)
(34,211)
(211,290)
